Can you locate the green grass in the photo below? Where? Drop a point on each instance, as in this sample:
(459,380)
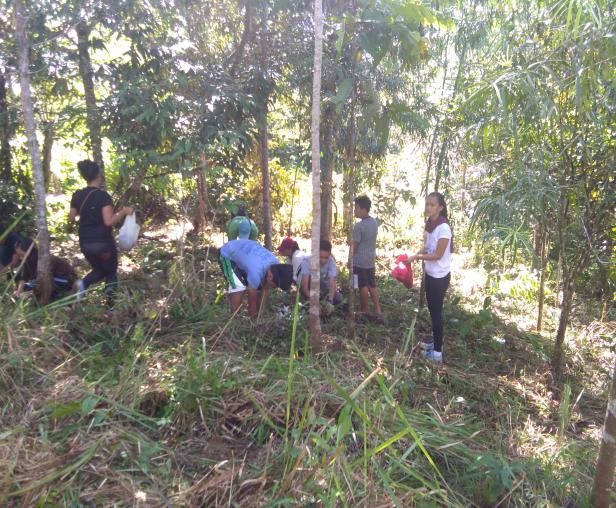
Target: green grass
(171,402)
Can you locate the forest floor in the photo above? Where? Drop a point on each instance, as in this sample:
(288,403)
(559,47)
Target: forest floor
(171,401)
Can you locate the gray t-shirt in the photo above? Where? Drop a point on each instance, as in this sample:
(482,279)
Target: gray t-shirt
(328,270)
(364,232)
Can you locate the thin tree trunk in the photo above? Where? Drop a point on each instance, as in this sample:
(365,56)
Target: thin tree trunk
(348,219)
(238,54)
(48,139)
(265,179)
(44,282)
(263,142)
(293,188)
(348,175)
(347,197)
(327,137)
(541,298)
(602,492)
(201,218)
(92,113)
(132,189)
(326,182)
(351,142)
(5,147)
(542,267)
(607,294)
(563,321)
(315,284)
(567,296)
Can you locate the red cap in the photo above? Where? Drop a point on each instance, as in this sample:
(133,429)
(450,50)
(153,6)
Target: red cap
(287,243)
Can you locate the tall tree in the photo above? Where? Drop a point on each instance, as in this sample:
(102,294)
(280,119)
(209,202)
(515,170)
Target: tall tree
(315,269)
(602,492)
(6,121)
(92,112)
(262,131)
(44,282)
(5,148)
(327,198)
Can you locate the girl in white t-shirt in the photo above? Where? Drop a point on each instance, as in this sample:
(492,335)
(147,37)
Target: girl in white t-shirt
(290,249)
(438,244)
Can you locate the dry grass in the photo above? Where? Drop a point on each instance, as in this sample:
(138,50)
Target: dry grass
(172,404)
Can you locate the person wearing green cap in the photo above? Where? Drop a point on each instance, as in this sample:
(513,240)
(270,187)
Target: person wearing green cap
(233,226)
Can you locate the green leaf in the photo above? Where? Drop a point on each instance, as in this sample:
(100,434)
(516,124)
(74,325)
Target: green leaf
(62,410)
(344,422)
(88,404)
(340,39)
(344,91)
(386,43)
(411,13)
(381,125)
(371,42)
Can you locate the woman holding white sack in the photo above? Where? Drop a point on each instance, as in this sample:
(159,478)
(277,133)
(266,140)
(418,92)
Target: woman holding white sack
(94,208)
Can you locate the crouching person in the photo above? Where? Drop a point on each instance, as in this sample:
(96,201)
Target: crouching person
(63,274)
(330,296)
(251,268)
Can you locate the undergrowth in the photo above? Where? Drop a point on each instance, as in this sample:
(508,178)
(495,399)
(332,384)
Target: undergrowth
(171,403)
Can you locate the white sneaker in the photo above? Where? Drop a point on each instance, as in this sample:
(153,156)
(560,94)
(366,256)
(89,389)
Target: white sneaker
(433,356)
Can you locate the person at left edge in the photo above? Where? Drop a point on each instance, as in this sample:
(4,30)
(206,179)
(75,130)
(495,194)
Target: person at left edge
(62,273)
(251,268)
(8,256)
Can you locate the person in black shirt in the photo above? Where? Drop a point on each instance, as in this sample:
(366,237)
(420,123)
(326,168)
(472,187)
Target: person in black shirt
(96,220)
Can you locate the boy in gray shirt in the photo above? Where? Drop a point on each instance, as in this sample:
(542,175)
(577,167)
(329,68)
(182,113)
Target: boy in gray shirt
(329,272)
(364,255)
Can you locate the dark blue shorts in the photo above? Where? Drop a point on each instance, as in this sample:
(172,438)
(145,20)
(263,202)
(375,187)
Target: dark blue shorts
(364,277)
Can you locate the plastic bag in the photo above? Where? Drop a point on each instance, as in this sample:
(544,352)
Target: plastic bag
(403,271)
(129,232)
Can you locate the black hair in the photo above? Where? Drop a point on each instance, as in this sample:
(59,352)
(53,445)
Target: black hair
(241,212)
(88,169)
(325,245)
(363,202)
(24,243)
(441,201)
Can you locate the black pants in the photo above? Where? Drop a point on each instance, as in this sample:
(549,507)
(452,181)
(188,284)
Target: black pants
(435,294)
(61,287)
(103,258)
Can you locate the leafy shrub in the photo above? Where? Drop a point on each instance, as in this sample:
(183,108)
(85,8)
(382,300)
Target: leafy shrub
(10,197)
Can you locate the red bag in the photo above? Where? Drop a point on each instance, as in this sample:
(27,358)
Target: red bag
(403,271)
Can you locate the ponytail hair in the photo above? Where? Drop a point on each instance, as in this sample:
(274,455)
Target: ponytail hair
(441,201)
